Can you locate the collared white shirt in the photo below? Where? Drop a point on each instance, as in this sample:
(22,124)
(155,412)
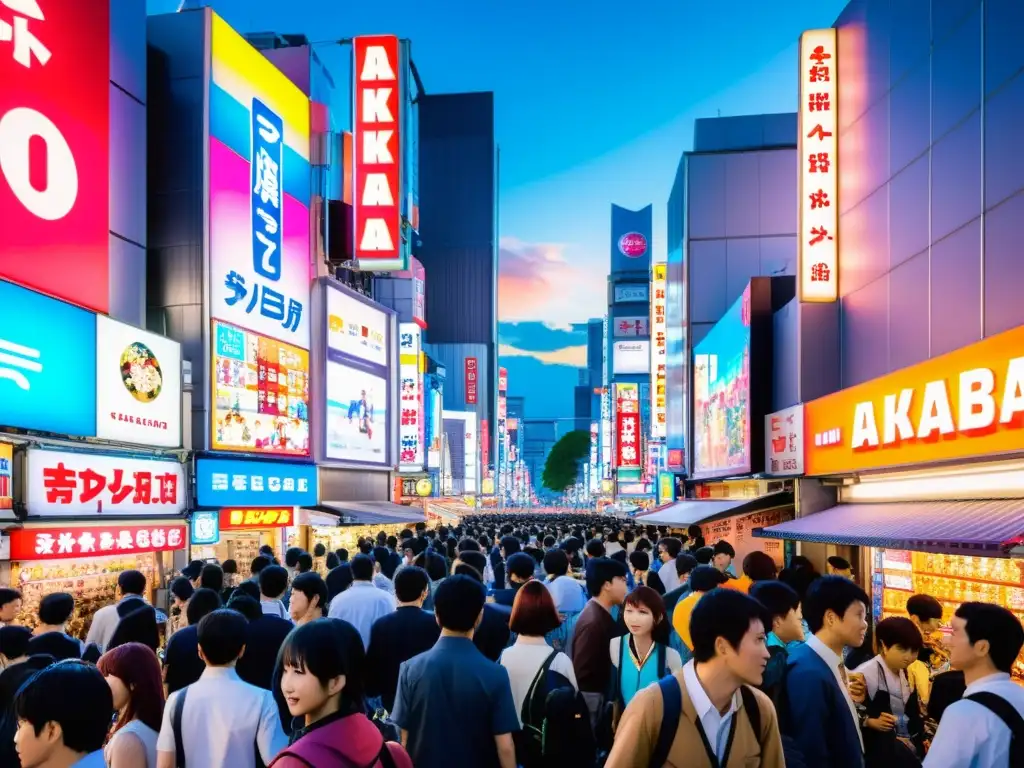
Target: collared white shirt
(972,736)
(833,661)
(669,577)
(715,724)
(275,608)
(224,720)
(878,676)
(361,605)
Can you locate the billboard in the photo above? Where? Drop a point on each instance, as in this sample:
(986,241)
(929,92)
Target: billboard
(631,327)
(55,147)
(377,107)
(260,394)
(627,426)
(410,430)
(357,328)
(659,351)
(225,482)
(631,293)
(259,187)
(470,446)
(630,357)
(631,239)
(784,441)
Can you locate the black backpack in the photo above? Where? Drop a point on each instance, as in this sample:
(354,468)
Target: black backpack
(1006,712)
(556,723)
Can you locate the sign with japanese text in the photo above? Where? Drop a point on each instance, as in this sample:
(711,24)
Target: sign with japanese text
(205,527)
(503,380)
(633,245)
(6,484)
(259,193)
(964,404)
(629,293)
(67,542)
(55,148)
(356,328)
(659,351)
(784,441)
(419,292)
(248,518)
(138,385)
(485,445)
(631,356)
(62,484)
(818,155)
(632,326)
(472,379)
(260,394)
(627,431)
(239,483)
(410,430)
(377,146)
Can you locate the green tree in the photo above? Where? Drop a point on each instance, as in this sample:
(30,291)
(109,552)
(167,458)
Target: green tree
(562,467)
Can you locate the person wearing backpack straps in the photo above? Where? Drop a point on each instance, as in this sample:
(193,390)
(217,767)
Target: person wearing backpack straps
(985,729)
(708,715)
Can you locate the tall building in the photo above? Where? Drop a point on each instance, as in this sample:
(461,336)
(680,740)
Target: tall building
(539,435)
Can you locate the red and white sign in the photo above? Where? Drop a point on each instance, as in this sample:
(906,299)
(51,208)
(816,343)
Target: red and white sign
(632,245)
(817,153)
(377,147)
(54,148)
(471,380)
(629,440)
(784,441)
(503,380)
(632,326)
(62,483)
(66,542)
(241,519)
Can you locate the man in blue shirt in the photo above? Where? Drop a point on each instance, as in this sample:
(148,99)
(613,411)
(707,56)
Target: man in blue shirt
(454,683)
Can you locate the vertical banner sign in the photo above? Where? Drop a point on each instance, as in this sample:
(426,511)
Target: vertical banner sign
(502,427)
(54,148)
(265,214)
(410,433)
(485,447)
(627,422)
(819,206)
(6,492)
(471,380)
(377,146)
(659,350)
(595,470)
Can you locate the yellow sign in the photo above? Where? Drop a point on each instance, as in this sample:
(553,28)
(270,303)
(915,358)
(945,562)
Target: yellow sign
(424,487)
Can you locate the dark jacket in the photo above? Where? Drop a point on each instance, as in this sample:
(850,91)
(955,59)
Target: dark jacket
(588,648)
(492,636)
(507,597)
(56,644)
(137,626)
(11,679)
(395,638)
(263,640)
(182,665)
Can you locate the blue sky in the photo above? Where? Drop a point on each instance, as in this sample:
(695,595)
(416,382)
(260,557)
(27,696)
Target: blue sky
(595,103)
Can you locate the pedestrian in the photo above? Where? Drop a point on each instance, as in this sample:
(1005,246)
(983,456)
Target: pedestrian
(211,576)
(64,713)
(303,565)
(137,625)
(703,579)
(724,553)
(454,683)
(131,585)
(323,682)
(220,720)
(640,568)
(194,572)
(19,668)
(362,603)
(258,564)
(338,580)
(976,731)
(49,636)
(782,604)
(708,714)
(520,568)
(132,671)
(181,590)
(685,563)
(265,635)
(273,584)
(569,595)
(183,665)
(839,566)
(668,550)
(10,606)
(492,635)
(933,658)
(309,598)
(757,566)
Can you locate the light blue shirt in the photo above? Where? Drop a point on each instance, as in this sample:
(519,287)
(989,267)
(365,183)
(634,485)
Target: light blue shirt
(970,735)
(92,760)
(567,593)
(361,605)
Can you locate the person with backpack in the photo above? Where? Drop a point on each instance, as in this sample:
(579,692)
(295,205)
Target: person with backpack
(642,656)
(708,715)
(985,729)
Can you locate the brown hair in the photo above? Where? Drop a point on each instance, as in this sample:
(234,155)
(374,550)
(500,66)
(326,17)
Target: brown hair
(533,611)
(136,665)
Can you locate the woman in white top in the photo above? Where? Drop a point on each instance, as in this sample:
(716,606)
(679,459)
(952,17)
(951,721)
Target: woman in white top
(133,674)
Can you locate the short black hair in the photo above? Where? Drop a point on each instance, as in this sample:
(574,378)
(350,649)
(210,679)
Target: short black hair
(203,602)
(521,565)
(778,598)
(328,648)
(250,588)
(267,550)
(273,581)
(468,545)
(839,563)
(222,636)
(342,554)
(672,545)
(510,544)
(549,541)
(182,588)
(723,547)
(685,563)
(319,549)
(639,560)
(311,585)
(410,581)
(899,630)
(291,556)
(305,563)
(723,613)
(703,555)
(259,563)
(458,602)
(193,569)
(924,607)
(332,560)
(476,559)
(245,605)
(556,562)
(130,582)
(362,568)
(997,625)
(704,578)
(84,717)
(338,580)
(759,566)
(595,548)
(230,566)
(212,577)
(8,595)
(56,608)
(830,593)
(14,641)
(601,571)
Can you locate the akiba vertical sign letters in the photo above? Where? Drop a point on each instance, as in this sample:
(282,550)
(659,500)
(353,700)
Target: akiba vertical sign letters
(376,145)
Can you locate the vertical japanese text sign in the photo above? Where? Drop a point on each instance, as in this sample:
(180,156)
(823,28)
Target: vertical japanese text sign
(817,151)
(659,348)
(54,148)
(471,380)
(376,144)
(265,209)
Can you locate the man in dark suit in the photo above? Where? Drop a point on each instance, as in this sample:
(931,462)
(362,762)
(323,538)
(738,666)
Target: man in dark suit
(818,710)
(520,568)
(398,636)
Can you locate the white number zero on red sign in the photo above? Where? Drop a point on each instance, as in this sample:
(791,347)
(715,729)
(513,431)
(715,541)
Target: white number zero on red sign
(17,128)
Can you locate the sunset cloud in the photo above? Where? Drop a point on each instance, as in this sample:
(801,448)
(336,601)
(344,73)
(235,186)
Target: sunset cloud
(572,356)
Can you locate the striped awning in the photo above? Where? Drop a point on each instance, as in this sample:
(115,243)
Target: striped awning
(988,528)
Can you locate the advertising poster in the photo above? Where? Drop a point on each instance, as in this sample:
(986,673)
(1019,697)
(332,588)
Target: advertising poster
(738,531)
(632,326)
(259,193)
(74,541)
(627,420)
(721,395)
(470,446)
(410,430)
(631,356)
(138,385)
(260,394)
(6,486)
(55,102)
(784,441)
(631,239)
(356,329)
(472,380)
(357,406)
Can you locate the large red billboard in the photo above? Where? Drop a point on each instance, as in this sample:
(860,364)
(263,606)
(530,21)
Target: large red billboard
(54,147)
(376,148)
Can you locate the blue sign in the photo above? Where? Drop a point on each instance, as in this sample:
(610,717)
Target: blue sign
(241,483)
(47,364)
(205,527)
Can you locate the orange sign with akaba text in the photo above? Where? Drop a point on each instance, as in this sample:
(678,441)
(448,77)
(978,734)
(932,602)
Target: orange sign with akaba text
(234,518)
(965,404)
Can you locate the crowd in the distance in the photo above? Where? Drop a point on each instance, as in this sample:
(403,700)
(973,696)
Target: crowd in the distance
(514,640)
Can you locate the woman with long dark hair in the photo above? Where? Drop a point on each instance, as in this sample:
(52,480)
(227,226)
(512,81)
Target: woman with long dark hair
(133,673)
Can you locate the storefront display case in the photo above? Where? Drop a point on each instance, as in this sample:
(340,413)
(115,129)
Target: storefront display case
(347,536)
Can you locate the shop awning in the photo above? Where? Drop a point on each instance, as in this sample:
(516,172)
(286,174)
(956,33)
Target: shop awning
(694,511)
(989,528)
(372,512)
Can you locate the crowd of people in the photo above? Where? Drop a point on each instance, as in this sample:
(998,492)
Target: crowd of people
(510,640)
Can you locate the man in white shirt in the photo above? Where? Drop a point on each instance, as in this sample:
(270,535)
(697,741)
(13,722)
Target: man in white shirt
(362,603)
(273,583)
(220,720)
(986,640)
(131,585)
(668,550)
